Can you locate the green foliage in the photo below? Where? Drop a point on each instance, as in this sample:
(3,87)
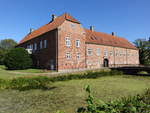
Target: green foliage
(2,56)
(25,83)
(134,104)
(17,58)
(86,75)
(7,44)
(142,72)
(144,50)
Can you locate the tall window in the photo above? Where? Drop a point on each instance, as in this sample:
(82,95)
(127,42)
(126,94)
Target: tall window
(77,43)
(35,46)
(116,52)
(41,44)
(111,53)
(68,55)
(45,43)
(105,52)
(89,51)
(78,56)
(68,42)
(98,51)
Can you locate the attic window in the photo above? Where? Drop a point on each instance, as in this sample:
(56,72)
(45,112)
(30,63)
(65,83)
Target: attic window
(73,25)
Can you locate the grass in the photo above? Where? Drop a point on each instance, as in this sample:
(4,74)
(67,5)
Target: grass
(69,95)
(65,95)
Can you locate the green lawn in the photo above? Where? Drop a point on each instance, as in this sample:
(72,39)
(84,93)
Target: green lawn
(69,95)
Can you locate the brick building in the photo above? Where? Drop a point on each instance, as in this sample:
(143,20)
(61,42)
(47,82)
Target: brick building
(63,44)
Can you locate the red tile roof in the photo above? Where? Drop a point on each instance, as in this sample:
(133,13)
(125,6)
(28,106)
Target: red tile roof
(91,36)
(48,27)
(106,39)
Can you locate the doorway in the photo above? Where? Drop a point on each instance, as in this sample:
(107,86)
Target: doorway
(106,63)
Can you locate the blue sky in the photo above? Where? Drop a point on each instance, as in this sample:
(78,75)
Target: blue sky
(127,18)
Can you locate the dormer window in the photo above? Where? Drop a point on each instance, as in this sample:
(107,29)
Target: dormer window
(73,25)
(67,41)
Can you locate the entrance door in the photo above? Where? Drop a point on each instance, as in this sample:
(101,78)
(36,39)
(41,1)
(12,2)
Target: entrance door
(106,63)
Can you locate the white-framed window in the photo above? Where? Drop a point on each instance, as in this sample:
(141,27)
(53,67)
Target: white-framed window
(111,53)
(105,52)
(41,44)
(98,51)
(124,53)
(121,53)
(78,56)
(35,46)
(68,55)
(45,43)
(67,41)
(28,46)
(116,52)
(77,43)
(31,46)
(73,25)
(89,51)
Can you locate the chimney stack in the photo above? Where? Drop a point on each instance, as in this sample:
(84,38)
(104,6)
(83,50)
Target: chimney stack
(53,17)
(31,30)
(92,28)
(113,33)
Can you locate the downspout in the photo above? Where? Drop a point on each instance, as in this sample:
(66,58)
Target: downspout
(56,49)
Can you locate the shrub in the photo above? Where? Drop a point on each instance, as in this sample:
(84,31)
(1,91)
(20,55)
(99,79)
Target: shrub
(24,83)
(17,58)
(142,72)
(134,104)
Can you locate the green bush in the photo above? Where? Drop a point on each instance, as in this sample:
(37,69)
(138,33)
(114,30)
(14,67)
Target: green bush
(17,58)
(142,72)
(29,83)
(41,82)
(134,104)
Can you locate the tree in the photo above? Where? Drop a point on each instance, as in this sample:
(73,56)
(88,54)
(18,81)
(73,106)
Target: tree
(7,44)
(144,50)
(17,58)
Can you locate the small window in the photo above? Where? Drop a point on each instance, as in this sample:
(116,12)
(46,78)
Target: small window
(89,52)
(78,56)
(116,52)
(68,55)
(45,43)
(77,43)
(73,25)
(120,53)
(111,53)
(35,46)
(105,52)
(68,42)
(40,44)
(98,51)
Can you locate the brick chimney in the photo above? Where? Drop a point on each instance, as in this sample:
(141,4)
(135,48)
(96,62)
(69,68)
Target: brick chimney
(31,30)
(53,17)
(92,28)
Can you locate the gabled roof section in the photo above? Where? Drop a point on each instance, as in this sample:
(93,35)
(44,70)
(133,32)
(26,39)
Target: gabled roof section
(48,27)
(106,39)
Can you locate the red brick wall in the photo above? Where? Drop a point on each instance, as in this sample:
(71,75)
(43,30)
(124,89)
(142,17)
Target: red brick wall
(43,57)
(95,61)
(74,33)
